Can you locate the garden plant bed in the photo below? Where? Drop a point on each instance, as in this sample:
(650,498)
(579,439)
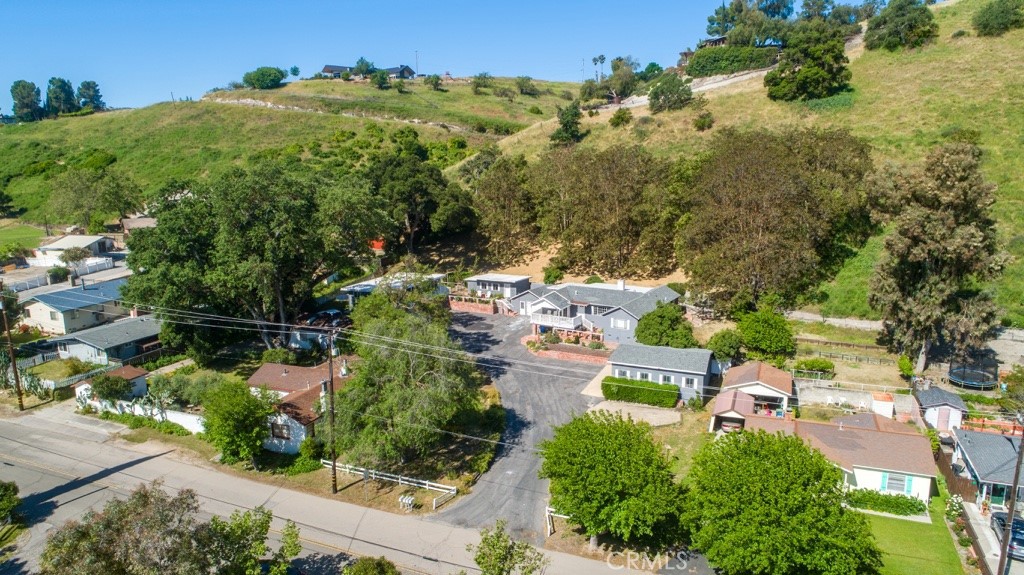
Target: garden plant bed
(569,352)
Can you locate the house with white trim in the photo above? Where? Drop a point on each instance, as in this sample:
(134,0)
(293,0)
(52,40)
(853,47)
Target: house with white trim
(942,410)
(771,387)
(688,369)
(73,309)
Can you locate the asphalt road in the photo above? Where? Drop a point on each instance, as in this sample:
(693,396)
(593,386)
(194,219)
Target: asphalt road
(537,394)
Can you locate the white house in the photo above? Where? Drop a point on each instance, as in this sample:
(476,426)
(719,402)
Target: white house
(771,387)
(73,309)
(872,451)
(95,244)
(113,342)
(943,410)
(135,376)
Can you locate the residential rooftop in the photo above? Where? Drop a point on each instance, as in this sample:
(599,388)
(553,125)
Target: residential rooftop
(690,360)
(936,396)
(758,371)
(118,333)
(88,294)
(509,278)
(992,455)
(72,241)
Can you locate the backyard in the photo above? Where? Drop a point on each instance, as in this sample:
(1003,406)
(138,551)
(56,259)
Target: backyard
(683,439)
(58,369)
(918,548)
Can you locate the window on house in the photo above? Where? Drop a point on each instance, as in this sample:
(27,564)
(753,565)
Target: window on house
(644,376)
(53,316)
(620,323)
(896,482)
(691,383)
(621,373)
(522,307)
(666,379)
(280,431)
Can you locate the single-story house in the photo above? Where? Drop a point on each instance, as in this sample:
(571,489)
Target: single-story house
(137,223)
(689,369)
(336,71)
(943,410)
(352,293)
(730,407)
(73,309)
(95,244)
(872,451)
(118,341)
(592,311)
(503,285)
(135,376)
(400,72)
(300,390)
(988,460)
(771,387)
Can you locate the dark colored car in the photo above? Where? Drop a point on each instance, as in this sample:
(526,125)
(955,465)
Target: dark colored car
(1017,542)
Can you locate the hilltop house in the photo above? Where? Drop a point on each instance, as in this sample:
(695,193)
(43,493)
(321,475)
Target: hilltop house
(74,309)
(300,390)
(503,285)
(690,369)
(400,72)
(872,451)
(111,343)
(593,311)
(336,71)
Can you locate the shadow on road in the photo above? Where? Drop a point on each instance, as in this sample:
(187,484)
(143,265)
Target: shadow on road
(13,565)
(515,425)
(39,506)
(321,564)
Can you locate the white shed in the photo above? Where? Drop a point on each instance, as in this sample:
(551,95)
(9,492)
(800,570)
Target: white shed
(943,410)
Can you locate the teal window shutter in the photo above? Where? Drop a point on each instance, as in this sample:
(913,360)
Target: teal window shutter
(885,481)
(907,489)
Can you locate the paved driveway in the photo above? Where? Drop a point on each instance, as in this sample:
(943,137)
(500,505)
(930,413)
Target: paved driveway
(536,399)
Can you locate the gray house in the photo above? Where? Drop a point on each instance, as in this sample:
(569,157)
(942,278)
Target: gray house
(336,71)
(611,310)
(690,369)
(401,72)
(501,284)
(118,341)
(988,460)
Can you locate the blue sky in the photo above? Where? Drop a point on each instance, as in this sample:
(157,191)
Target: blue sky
(141,51)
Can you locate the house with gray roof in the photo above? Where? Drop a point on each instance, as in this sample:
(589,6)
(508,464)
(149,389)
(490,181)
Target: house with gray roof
(607,312)
(689,369)
(73,309)
(988,460)
(942,410)
(112,343)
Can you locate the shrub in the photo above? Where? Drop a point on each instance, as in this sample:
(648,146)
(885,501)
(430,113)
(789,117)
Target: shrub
(535,110)
(9,499)
(507,93)
(75,366)
(163,361)
(933,437)
(767,335)
(636,391)
(278,355)
(905,366)
(901,24)
(595,345)
(954,507)
(371,566)
(818,364)
(594,279)
(137,421)
(566,95)
(110,388)
(58,274)
(695,403)
(998,17)
(551,338)
(670,92)
(553,274)
(311,448)
(302,465)
(704,121)
(960,34)
(264,78)
(729,60)
(885,502)
(621,117)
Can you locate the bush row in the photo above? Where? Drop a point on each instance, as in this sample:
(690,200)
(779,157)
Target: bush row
(885,502)
(137,421)
(636,391)
(729,60)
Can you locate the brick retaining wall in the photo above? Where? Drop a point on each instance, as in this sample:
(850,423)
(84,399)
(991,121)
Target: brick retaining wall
(565,355)
(472,307)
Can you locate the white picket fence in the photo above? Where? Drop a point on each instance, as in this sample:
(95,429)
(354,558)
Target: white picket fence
(448,492)
(28,284)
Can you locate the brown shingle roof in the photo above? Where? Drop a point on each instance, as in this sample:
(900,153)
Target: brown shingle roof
(128,372)
(289,378)
(733,400)
(850,447)
(299,405)
(757,371)
(875,422)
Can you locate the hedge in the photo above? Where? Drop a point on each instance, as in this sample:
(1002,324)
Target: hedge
(729,60)
(636,391)
(137,421)
(885,502)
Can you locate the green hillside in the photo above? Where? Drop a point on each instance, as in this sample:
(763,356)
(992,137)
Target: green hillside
(903,103)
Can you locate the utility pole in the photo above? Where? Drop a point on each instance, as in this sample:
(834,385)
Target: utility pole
(330,416)
(10,349)
(1008,528)
(417,62)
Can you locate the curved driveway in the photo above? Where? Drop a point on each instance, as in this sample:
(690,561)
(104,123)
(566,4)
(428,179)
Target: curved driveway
(536,397)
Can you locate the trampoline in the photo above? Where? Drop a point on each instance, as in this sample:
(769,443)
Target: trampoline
(976,374)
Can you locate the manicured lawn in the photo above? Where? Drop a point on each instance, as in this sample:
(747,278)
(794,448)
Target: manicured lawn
(14,233)
(51,370)
(915,548)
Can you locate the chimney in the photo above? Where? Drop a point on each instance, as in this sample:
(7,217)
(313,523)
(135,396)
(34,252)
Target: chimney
(134,312)
(621,284)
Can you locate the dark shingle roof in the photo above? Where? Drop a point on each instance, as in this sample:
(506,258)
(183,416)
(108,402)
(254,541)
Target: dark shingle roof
(646,303)
(117,333)
(633,302)
(991,455)
(78,298)
(330,69)
(935,396)
(667,358)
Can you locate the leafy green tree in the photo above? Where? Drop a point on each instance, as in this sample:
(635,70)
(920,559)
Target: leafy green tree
(812,65)
(725,345)
(790,520)
(294,70)
(901,24)
(363,67)
(26,96)
(481,81)
(73,196)
(13,308)
(119,193)
(608,475)
(9,499)
(620,118)
(666,326)
(623,79)
(498,554)
(264,78)
(236,421)
(371,566)
(724,18)
(767,335)
(652,71)
(669,93)
(433,81)
(111,387)
(942,249)
(396,296)
(568,131)
(506,209)
(816,9)
(998,17)
(72,257)
(88,96)
(526,86)
(780,9)
(380,80)
(238,543)
(394,407)
(60,97)
(410,187)
(779,208)
(590,90)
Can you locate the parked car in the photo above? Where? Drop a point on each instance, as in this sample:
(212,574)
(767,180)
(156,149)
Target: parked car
(998,523)
(731,426)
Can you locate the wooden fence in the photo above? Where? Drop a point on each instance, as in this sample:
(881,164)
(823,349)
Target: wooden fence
(840,344)
(957,485)
(992,426)
(849,357)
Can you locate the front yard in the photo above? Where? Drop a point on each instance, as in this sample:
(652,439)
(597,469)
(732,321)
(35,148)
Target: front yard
(683,439)
(917,548)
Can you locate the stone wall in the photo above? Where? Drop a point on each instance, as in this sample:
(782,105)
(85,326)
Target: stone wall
(472,307)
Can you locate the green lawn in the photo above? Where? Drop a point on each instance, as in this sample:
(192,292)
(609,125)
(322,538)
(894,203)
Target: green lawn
(15,233)
(916,548)
(833,333)
(683,440)
(55,370)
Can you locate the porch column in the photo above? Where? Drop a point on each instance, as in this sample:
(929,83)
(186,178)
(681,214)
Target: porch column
(785,403)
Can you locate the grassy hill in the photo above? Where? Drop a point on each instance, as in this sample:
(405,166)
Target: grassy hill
(903,103)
